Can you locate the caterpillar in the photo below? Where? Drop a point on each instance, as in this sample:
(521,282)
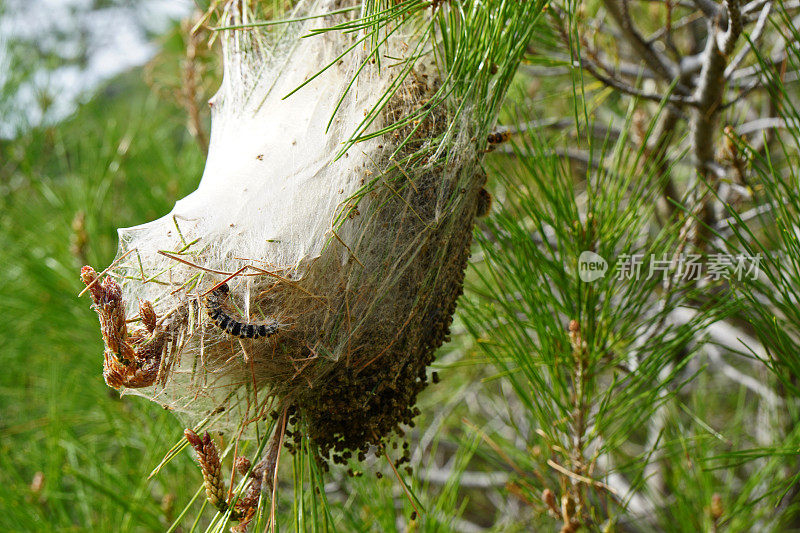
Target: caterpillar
(497,137)
(215,307)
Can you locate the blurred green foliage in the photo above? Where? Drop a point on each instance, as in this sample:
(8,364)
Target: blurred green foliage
(122,159)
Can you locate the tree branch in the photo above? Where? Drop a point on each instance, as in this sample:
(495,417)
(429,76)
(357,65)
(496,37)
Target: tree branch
(654,59)
(754,38)
(621,86)
(727,41)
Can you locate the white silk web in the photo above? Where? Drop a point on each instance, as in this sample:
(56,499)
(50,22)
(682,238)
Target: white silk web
(358,257)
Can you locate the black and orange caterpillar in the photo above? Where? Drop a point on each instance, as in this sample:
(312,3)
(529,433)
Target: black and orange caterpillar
(215,307)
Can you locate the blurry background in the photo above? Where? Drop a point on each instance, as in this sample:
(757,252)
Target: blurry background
(86,146)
